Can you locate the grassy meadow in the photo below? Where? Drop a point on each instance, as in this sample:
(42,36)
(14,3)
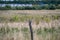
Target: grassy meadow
(16,27)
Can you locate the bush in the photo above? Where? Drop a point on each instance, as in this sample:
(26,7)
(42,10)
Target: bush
(45,7)
(33,7)
(46,19)
(24,29)
(7,7)
(19,8)
(7,30)
(36,7)
(3,19)
(52,7)
(14,18)
(56,17)
(28,8)
(58,7)
(39,31)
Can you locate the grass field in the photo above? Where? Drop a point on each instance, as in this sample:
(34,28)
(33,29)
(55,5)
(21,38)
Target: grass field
(14,24)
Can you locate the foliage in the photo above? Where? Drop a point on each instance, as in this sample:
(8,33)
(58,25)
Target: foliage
(39,31)
(14,18)
(52,7)
(55,17)
(7,7)
(7,30)
(46,30)
(35,18)
(33,7)
(24,29)
(58,7)
(2,19)
(47,19)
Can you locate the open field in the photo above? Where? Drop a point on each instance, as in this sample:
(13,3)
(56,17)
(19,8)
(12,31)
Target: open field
(33,12)
(30,11)
(14,24)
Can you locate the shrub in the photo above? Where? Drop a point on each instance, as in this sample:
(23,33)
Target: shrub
(45,29)
(45,7)
(58,7)
(14,18)
(37,20)
(8,30)
(3,19)
(33,7)
(39,31)
(55,16)
(24,29)
(52,7)
(51,30)
(22,18)
(28,8)
(36,7)
(19,8)
(15,30)
(7,7)
(47,19)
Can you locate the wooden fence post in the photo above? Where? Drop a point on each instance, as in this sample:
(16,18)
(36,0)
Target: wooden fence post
(31,30)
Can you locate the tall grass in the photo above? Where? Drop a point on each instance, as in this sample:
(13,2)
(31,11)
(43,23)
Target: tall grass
(13,33)
(53,32)
(23,33)
(36,18)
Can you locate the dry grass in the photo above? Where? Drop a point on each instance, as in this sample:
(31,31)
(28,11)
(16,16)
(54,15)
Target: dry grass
(48,27)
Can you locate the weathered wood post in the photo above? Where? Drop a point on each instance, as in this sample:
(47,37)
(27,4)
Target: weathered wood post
(31,30)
